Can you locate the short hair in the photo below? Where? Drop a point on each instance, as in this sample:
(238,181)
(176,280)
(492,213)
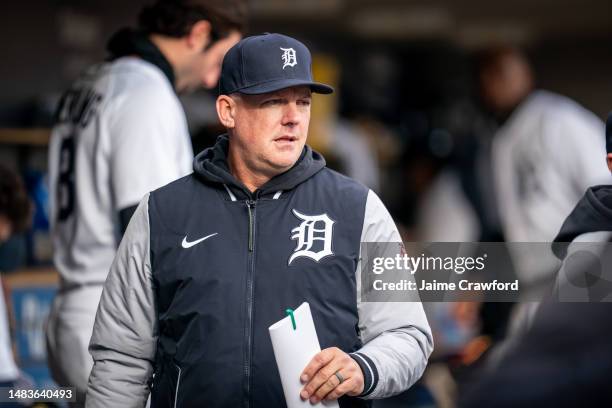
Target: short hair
(491,59)
(175,18)
(609,133)
(15,204)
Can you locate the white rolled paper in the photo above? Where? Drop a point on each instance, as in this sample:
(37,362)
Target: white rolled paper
(293,350)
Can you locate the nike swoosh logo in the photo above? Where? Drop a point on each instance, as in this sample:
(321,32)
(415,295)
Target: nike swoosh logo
(186,244)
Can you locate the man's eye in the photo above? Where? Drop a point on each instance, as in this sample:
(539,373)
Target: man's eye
(304,102)
(272,102)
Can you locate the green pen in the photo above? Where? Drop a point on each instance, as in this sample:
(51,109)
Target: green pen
(290,313)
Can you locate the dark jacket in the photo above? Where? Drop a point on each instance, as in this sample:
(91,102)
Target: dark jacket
(592,213)
(565,358)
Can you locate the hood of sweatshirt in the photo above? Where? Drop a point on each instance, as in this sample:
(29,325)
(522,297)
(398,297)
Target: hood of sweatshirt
(592,213)
(211,166)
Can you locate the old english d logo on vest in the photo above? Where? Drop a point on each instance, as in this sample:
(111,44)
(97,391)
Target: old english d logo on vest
(313,236)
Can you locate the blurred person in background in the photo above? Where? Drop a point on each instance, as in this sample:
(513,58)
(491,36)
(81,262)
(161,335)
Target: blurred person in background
(565,358)
(582,242)
(15,217)
(120,132)
(542,152)
(593,213)
(541,161)
(542,158)
(529,175)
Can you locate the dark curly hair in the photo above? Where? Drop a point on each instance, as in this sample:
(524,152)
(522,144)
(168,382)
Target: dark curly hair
(14,202)
(175,18)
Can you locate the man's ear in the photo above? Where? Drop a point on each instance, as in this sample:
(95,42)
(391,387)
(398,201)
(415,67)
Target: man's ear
(198,37)
(226,111)
(609,158)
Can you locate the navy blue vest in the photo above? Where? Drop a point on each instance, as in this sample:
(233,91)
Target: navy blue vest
(217,299)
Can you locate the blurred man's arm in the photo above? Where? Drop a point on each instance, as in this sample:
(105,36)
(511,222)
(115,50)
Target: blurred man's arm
(397,339)
(125,332)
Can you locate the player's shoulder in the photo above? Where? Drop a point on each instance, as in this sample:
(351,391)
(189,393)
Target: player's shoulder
(136,79)
(136,68)
(550,115)
(136,88)
(560,108)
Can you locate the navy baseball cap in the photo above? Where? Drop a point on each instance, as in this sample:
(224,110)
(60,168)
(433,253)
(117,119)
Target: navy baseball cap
(267,63)
(609,133)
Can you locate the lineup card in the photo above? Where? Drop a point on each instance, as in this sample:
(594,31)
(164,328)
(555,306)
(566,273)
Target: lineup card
(293,350)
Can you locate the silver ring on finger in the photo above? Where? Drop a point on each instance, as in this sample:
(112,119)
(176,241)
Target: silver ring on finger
(339,377)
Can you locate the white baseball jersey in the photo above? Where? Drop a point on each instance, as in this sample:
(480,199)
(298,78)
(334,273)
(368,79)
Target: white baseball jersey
(121,132)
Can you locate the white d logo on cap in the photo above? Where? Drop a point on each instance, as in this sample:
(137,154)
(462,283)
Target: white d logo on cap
(288,57)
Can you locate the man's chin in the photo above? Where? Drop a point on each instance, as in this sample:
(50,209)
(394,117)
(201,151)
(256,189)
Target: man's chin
(282,167)
(284,164)
(287,152)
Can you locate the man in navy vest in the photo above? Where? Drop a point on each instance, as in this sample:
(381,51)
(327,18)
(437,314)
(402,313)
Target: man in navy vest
(211,260)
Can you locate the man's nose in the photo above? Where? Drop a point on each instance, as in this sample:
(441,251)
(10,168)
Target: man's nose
(291,114)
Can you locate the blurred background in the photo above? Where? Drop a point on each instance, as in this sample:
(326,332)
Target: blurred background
(407,120)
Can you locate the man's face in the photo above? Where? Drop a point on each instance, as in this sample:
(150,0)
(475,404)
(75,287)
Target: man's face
(505,84)
(271,129)
(205,67)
